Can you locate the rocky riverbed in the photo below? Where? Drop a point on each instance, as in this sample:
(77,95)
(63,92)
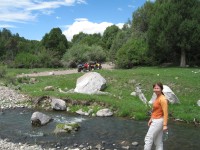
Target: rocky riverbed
(10,99)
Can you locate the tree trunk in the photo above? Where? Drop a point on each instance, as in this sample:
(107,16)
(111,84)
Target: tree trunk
(183,58)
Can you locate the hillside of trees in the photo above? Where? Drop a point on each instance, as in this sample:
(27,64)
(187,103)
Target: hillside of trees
(163,32)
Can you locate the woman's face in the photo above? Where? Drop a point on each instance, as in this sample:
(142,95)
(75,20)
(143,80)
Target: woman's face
(157,90)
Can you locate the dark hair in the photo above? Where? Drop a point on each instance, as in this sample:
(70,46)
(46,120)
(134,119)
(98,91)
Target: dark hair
(160,85)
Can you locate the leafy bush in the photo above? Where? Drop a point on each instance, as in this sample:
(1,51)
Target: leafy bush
(75,55)
(132,53)
(96,53)
(42,58)
(81,53)
(26,60)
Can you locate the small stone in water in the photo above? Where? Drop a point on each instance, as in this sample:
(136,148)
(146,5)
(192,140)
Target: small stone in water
(81,146)
(135,143)
(125,147)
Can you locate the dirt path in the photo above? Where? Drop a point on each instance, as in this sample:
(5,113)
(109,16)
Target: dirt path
(61,72)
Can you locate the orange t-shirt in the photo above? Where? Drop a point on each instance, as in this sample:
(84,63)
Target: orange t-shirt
(160,109)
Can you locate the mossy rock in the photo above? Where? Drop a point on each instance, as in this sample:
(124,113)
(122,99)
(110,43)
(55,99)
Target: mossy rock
(66,127)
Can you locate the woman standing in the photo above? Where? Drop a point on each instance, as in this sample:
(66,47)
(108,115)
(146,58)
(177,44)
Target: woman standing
(158,121)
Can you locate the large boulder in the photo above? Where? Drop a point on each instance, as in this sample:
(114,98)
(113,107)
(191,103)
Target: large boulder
(90,83)
(39,119)
(169,94)
(58,104)
(104,113)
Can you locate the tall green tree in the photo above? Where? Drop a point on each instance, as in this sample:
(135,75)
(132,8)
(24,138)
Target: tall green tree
(174,31)
(56,42)
(89,39)
(141,17)
(108,37)
(121,38)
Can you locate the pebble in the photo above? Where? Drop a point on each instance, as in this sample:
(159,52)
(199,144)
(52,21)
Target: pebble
(135,143)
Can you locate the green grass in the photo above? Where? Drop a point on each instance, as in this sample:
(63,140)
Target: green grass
(120,83)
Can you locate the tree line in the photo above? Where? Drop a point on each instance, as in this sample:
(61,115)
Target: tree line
(160,32)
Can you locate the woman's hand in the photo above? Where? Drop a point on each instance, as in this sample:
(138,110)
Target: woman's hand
(165,128)
(149,123)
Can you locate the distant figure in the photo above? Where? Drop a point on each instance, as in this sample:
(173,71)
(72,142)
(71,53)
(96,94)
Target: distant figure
(158,121)
(85,67)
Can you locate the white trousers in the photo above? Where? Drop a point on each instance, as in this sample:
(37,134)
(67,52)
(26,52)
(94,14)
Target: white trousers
(154,135)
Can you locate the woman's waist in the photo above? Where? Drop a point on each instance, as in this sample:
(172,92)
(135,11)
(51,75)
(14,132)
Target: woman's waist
(157,116)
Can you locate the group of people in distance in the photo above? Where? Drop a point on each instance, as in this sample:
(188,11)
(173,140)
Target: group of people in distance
(89,66)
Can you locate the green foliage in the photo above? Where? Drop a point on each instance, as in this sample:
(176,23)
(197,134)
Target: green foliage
(3,70)
(174,30)
(170,31)
(96,53)
(88,39)
(108,36)
(56,42)
(76,54)
(141,17)
(24,79)
(120,39)
(26,60)
(132,53)
(81,53)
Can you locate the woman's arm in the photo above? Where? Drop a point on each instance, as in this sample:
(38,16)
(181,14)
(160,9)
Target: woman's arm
(164,105)
(150,121)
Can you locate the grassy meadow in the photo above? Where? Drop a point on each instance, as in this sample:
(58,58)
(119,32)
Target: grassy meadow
(185,82)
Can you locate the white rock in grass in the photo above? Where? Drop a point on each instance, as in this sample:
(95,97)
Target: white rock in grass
(104,112)
(134,94)
(198,102)
(169,94)
(90,83)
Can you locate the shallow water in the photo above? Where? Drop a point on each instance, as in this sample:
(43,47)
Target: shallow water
(16,126)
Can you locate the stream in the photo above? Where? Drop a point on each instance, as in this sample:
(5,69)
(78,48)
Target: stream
(110,132)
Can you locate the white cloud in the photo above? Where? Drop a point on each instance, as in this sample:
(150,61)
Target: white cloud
(17,16)
(131,6)
(86,26)
(25,10)
(58,17)
(7,26)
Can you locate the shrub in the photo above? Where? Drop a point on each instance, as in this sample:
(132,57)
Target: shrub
(3,71)
(133,53)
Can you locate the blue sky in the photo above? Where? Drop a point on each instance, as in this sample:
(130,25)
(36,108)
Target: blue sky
(33,18)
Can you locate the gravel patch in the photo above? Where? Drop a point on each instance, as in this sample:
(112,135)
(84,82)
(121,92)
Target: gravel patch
(11,98)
